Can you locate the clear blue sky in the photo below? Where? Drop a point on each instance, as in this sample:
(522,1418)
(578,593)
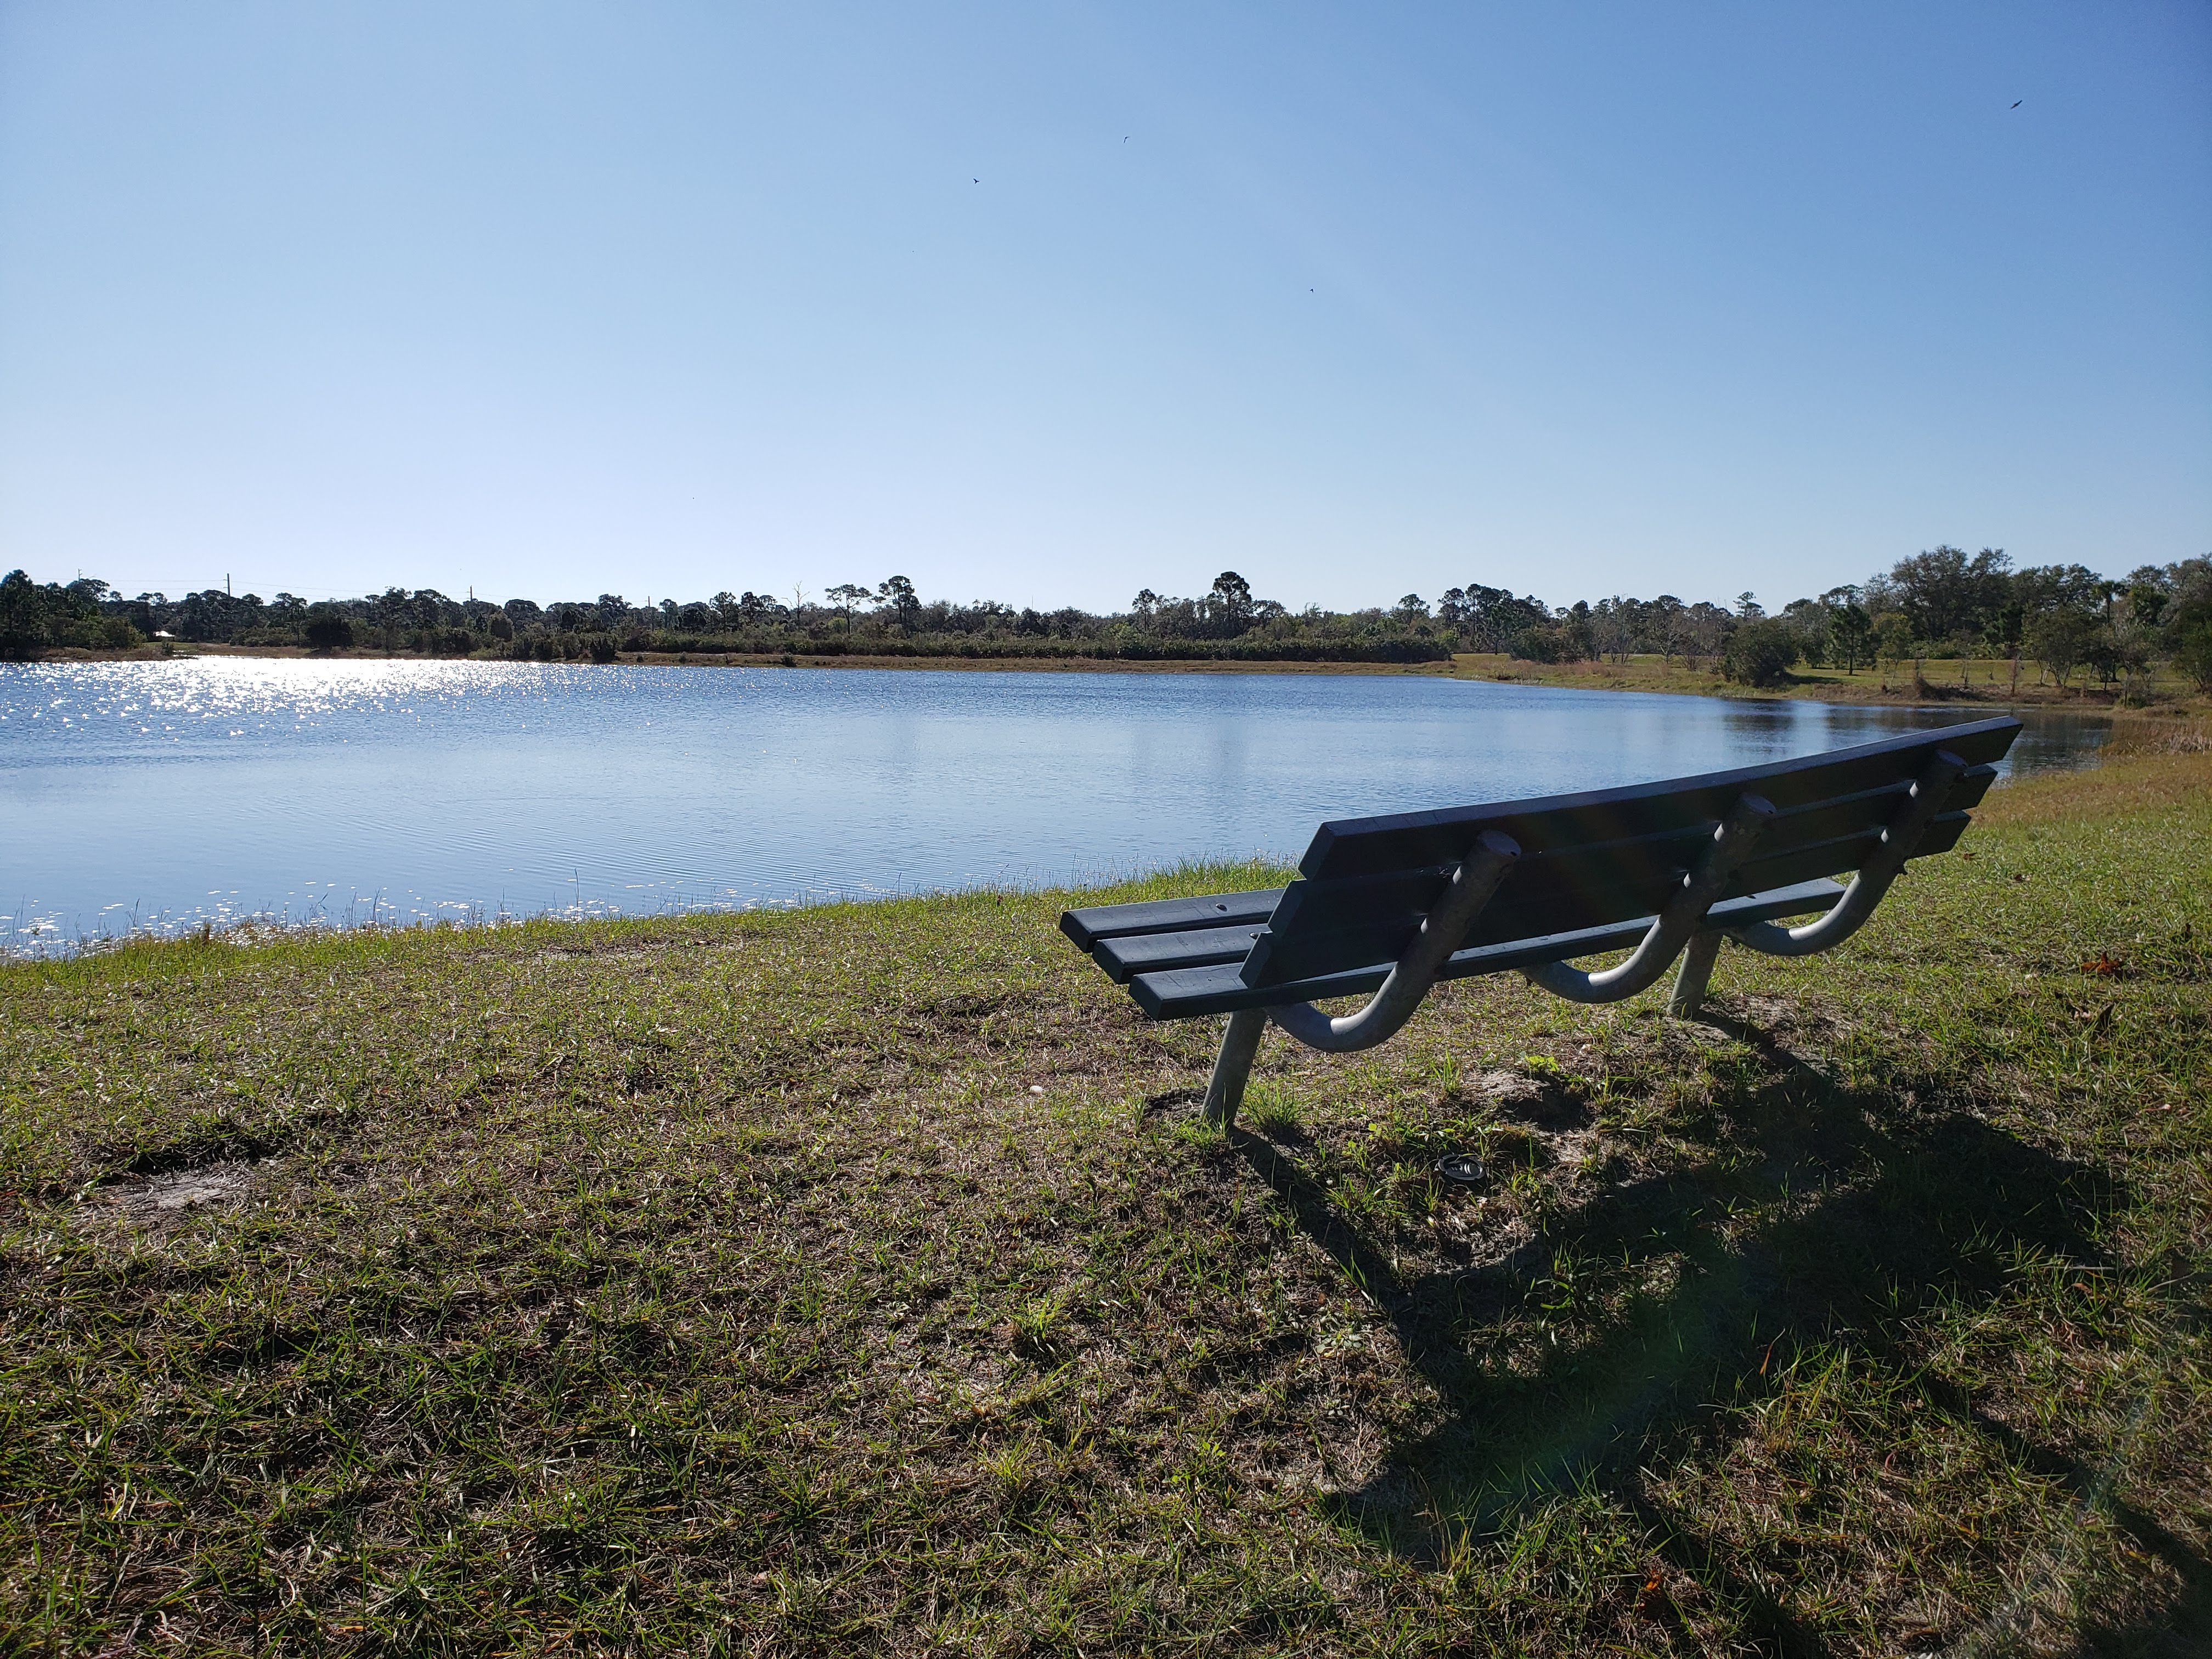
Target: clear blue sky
(1050,302)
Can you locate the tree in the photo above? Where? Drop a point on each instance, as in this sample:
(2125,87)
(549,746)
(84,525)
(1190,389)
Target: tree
(898,596)
(2192,646)
(1231,602)
(1850,635)
(329,628)
(387,612)
(2062,639)
(1892,637)
(1494,618)
(1810,617)
(2146,603)
(2187,623)
(23,615)
(1760,652)
(845,596)
(1541,643)
(1945,593)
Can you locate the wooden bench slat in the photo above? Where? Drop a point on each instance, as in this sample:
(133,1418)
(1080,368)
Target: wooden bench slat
(1324,925)
(1087,927)
(1566,893)
(1326,905)
(1412,840)
(1185,992)
(1152,953)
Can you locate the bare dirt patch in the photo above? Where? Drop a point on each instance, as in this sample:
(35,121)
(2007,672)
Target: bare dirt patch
(160,1202)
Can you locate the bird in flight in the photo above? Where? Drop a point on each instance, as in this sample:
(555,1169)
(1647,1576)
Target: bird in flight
(2017,102)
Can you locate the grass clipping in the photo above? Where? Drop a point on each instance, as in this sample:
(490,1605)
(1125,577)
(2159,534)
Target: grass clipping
(860,1278)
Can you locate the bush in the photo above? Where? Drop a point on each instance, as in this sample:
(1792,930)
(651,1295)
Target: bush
(329,630)
(96,633)
(2192,651)
(1540,645)
(1760,652)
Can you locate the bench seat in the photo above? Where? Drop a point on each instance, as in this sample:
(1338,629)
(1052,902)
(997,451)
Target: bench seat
(1188,992)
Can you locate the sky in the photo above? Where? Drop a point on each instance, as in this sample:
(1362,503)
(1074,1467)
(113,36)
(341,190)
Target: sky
(1050,302)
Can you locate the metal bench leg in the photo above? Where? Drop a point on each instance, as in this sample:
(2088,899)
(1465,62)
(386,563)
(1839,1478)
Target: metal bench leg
(1692,977)
(1239,1044)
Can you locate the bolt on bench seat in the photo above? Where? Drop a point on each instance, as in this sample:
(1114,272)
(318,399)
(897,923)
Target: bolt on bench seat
(1390,905)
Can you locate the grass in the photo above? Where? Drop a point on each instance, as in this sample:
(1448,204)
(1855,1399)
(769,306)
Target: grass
(861,1279)
(1948,680)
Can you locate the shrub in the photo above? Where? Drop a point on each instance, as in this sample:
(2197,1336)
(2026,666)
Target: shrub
(1760,652)
(328,630)
(1543,644)
(2192,651)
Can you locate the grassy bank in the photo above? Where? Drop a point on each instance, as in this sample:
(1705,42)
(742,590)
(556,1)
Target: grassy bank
(858,1279)
(1967,682)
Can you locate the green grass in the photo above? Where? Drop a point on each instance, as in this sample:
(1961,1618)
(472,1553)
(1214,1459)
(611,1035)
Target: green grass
(860,1278)
(1948,680)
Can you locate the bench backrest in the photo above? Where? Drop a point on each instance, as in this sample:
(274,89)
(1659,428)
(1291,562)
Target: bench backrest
(1592,860)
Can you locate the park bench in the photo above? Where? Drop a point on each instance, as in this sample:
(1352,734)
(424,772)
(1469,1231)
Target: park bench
(1391,905)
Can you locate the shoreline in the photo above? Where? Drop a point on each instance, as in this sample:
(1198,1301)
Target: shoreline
(2135,739)
(1991,691)
(1980,684)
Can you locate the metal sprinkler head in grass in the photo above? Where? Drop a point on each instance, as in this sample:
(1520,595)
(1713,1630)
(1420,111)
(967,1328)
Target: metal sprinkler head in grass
(1462,1170)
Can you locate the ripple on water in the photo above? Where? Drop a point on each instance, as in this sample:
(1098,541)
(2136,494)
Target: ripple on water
(165,795)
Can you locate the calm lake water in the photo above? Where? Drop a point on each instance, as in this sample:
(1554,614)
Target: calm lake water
(159,795)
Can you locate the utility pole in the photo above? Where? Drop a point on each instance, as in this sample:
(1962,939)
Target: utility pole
(226,584)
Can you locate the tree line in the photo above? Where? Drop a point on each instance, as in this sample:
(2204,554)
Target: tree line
(1942,603)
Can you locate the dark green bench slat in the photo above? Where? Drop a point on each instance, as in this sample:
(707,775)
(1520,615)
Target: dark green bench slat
(1186,993)
(1356,846)
(1600,898)
(1087,927)
(1325,925)
(1152,953)
(1325,906)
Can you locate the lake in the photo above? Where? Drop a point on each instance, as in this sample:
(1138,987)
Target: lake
(162,795)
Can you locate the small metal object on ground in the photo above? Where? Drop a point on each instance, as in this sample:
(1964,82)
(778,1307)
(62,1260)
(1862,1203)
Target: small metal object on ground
(1462,1170)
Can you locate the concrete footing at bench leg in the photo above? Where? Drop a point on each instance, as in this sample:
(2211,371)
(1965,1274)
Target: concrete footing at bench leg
(1694,976)
(1239,1043)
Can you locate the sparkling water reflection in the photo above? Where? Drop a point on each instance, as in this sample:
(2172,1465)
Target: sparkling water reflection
(164,795)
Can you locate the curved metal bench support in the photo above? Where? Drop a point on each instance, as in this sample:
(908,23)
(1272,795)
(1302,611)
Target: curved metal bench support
(1390,1007)
(1849,912)
(1733,840)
